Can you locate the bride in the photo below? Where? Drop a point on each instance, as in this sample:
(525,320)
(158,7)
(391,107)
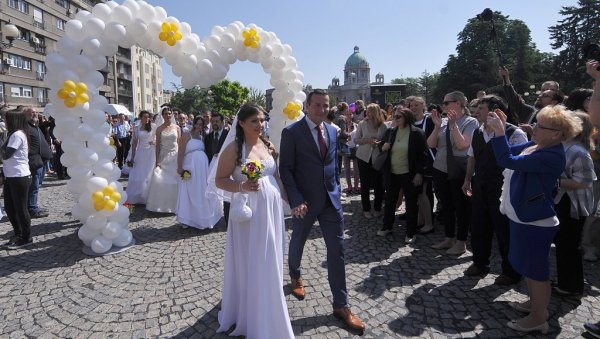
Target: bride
(253,296)
(162,192)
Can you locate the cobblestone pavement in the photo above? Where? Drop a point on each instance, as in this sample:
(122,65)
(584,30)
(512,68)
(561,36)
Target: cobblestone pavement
(169,284)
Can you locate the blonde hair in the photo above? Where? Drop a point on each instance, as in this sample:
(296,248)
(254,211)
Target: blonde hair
(562,119)
(378,117)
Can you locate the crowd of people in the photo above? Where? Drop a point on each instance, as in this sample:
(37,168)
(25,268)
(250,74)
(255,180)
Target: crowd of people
(497,167)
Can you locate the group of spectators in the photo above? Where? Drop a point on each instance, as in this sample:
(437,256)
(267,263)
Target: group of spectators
(498,166)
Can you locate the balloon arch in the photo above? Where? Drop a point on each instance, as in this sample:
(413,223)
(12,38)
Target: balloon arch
(78,107)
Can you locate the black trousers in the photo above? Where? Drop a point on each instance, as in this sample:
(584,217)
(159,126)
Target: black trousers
(16,192)
(569,263)
(456,206)
(122,151)
(370,179)
(486,221)
(404,182)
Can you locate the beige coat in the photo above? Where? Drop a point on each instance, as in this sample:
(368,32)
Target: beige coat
(366,152)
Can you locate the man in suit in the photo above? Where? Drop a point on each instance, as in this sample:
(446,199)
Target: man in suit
(308,172)
(213,144)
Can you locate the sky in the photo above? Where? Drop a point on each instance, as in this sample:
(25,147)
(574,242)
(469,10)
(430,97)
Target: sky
(399,38)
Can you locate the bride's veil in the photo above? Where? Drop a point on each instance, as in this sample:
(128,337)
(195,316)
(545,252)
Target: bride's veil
(212,191)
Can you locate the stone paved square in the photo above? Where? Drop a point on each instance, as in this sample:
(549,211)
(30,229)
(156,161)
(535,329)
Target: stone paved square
(169,284)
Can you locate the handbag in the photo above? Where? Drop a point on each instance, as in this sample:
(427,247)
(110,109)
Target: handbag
(381,158)
(457,165)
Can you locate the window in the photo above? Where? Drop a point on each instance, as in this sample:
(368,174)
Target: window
(42,95)
(19,5)
(20,62)
(146,68)
(64,3)
(148,98)
(24,34)
(60,24)
(21,91)
(147,83)
(38,15)
(137,65)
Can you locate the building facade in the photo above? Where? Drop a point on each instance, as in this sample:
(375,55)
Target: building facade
(147,80)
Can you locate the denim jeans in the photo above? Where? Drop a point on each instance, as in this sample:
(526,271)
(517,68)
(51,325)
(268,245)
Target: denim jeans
(37,177)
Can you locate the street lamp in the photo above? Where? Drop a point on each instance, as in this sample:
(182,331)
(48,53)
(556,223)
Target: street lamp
(209,99)
(11,32)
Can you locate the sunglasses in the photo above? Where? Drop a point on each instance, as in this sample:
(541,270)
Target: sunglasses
(448,102)
(398,116)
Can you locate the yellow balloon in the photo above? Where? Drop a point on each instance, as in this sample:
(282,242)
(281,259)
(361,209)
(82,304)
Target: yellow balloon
(69,85)
(97,196)
(81,88)
(171,42)
(108,190)
(174,26)
(165,27)
(110,205)
(163,36)
(116,197)
(83,98)
(62,94)
(99,205)
(178,35)
(70,102)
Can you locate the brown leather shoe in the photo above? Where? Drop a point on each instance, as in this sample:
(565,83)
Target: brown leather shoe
(298,288)
(345,314)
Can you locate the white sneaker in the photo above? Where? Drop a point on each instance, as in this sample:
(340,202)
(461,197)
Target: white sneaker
(383,232)
(368,214)
(408,240)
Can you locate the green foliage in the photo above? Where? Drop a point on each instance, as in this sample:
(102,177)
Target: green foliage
(579,27)
(476,63)
(226,97)
(257,96)
(422,86)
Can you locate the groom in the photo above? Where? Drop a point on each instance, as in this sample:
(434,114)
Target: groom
(308,171)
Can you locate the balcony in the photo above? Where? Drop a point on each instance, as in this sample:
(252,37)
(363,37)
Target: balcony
(38,24)
(40,76)
(124,76)
(39,49)
(43,101)
(125,92)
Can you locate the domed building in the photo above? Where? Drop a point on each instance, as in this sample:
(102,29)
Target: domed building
(357,83)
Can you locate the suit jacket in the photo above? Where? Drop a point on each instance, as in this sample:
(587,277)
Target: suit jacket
(208,143)
(417,150)
(534,178)
(305,175)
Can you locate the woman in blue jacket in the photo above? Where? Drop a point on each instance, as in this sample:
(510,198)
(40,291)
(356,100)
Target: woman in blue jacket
(531,174)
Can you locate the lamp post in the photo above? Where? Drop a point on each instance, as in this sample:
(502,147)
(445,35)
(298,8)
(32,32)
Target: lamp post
(209,99)
(10,32)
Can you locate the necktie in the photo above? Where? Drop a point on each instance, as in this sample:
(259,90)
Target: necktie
(321,140)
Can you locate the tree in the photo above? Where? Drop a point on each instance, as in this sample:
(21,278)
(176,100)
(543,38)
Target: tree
(413,86)
(257,96)
(475,65)
(577,29)
(422,86)
(226,97)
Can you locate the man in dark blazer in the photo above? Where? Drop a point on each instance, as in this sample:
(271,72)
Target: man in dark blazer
(213,144)
(308,171)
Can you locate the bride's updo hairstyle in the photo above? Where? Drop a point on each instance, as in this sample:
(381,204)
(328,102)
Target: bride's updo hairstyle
(249,110)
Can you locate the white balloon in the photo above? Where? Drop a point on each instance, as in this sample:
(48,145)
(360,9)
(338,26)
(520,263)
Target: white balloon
(56,61)
(205,66)
(133,5)
(300,96)
(91,47)
(68,159)
(102,11)
(99,61)
(79,172)
(185,29)
(86,205)
(74,29)
(277,49)
(76,211)
(109,48)
(86,235)
(137,28)
(66,45)
(160,13)
(82,132)
(188,45)
(117,186)
(115,175)
(81,63)
(93,79)
(187,81)
(287,50)
(112,230)
(87,157)
(82,15)
(253,56)
(96,222)
(213,42)
(96,184)
(296,85)
(112,4)
(123,199)
(103,168)
(101,244)
(108,153)
(122,15)
(74,186)
(114,31)
(94,27)
(227,40)
(124,238)
(291,62)
(146,12)
(121,216)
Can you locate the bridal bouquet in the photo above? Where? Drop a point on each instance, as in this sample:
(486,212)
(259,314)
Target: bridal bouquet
(240,211)
(252,169)
(186,175)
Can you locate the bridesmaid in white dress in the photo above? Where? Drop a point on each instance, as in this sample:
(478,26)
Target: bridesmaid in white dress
(194,208)
(253,296)
(143,156)
(162,192)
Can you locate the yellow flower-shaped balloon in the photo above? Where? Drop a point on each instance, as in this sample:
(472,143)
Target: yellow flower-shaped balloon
(106,199)
(292,110)
(170,33)
(73,93)
(251,38)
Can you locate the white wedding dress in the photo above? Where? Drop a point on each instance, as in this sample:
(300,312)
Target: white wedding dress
(253,296)
(194,208)
(162,192)
(143,166)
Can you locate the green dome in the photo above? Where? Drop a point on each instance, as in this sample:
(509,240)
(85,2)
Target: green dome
(356,59)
